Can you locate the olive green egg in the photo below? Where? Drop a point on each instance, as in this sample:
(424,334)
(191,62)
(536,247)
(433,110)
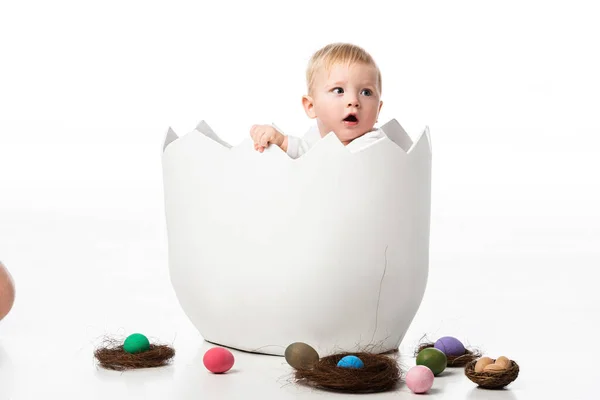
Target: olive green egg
(433,359)
(300,355)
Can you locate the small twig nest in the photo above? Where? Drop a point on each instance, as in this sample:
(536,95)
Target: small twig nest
(492,380)
(380,373)
(112,356)
(454,361)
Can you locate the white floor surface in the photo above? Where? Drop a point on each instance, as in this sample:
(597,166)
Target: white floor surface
(519,287)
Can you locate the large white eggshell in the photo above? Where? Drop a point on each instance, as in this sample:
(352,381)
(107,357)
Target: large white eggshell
(330,249)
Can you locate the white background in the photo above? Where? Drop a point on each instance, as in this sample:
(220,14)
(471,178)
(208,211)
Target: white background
(510,91)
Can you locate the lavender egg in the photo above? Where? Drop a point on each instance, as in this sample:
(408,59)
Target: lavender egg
(450,346)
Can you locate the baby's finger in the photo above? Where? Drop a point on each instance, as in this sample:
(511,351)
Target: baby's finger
(264,139)
(257,137)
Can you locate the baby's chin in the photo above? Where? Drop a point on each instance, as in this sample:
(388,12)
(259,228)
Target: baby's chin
(348,135)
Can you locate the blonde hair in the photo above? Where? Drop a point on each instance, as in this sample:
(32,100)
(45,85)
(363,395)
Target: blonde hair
(338,53)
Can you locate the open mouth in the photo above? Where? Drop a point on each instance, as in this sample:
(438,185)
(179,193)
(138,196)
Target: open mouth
(351,118)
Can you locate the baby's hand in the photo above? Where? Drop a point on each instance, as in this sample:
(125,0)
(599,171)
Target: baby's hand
(263,135)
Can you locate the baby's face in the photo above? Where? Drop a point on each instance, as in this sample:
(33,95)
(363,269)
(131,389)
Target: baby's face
(346,100)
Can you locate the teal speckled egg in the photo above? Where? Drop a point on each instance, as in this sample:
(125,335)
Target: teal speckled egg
(136,343)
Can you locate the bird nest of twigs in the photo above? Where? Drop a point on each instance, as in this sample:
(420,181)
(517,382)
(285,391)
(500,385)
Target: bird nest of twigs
(454,361)
(492,379)
(379,373)
(112,356)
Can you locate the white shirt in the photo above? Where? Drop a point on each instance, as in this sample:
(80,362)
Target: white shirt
(298,146)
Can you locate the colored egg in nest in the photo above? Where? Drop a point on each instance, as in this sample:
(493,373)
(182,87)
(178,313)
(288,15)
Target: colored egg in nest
(450,346)
(301,355)
(136,343)
(350,362)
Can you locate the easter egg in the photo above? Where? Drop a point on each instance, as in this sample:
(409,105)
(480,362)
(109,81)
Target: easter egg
(300,355)
(350,362)
(433,359)
(482,363)
(419,379)
(494,368)
(218,360)
(503,362)
(450,346)
(7,291)
(136,343)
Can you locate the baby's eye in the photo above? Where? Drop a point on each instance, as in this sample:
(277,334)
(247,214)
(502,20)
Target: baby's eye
(337,90)
(367,92)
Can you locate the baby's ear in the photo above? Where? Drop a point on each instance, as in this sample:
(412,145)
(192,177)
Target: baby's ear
(309,108)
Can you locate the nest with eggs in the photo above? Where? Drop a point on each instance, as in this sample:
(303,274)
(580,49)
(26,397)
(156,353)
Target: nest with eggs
(111,355)
(454,361)
(492,379)
(379,373)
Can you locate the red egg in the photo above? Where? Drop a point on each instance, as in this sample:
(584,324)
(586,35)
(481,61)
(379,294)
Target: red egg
(218,360)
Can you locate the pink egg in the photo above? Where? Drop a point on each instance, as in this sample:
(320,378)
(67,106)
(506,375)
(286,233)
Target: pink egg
(218,360)
(419,379)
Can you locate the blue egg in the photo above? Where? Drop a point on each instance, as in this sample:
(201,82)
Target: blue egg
(350,362)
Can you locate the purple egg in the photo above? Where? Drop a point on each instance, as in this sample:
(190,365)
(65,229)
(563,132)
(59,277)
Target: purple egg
(450,346)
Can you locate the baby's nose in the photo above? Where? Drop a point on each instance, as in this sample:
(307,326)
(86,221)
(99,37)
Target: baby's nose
(353,103)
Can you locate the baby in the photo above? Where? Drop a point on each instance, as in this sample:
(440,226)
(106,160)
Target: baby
(344,91)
